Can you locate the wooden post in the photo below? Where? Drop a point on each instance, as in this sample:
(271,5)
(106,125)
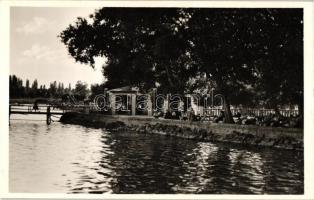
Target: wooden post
(133,104)
(9,113)
(149,105)
(48,120)
(113,103)
(166,103)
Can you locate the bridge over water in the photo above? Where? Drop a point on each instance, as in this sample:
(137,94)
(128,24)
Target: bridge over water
(27,109)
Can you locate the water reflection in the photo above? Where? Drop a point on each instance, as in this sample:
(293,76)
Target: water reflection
(75,159)
(246,171)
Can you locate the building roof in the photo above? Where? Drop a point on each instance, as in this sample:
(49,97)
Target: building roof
(125,89)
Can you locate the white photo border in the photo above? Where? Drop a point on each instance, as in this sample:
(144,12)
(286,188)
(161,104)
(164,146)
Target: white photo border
(5,6)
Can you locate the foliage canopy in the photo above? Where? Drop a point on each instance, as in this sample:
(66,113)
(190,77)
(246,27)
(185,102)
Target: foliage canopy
(248,55)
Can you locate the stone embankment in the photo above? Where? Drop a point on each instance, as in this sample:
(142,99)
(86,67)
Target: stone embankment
(287,138)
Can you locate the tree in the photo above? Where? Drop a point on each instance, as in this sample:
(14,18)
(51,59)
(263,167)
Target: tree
(238,59)
(236,49)
(27,87)
(34,89)
(35,85)
(53,89)
(96,89)
(17,90)
(81,90)
(141,43)
(281,74)
(60,89)
(16,87)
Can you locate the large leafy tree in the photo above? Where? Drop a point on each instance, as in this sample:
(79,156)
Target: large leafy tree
(255,52)
(143,47)
(81,90)
(281,70)
(239,51)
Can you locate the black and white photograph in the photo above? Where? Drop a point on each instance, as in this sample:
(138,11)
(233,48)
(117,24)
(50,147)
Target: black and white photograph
(175,99)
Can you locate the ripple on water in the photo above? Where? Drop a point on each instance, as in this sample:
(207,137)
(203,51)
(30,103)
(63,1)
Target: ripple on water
(74,159)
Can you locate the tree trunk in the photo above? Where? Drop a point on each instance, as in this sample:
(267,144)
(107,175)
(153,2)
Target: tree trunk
(169,76)
(226,107)
(301,112)
(277,112)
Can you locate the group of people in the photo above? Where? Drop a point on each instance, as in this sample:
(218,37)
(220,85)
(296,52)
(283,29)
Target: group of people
(178,114)
(273,120)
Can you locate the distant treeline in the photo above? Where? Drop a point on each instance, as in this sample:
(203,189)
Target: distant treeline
(55,89)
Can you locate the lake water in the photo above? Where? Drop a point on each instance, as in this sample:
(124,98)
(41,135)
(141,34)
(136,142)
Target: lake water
(61,158)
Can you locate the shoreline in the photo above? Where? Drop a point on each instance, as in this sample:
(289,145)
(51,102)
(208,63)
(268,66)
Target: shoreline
(245,135)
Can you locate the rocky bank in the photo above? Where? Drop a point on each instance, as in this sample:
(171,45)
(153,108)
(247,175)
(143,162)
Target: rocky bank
(286,138)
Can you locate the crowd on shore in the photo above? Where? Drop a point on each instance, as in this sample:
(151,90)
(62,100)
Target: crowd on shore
(272,120)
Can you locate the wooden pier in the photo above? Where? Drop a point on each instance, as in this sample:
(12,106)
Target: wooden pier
(42,110)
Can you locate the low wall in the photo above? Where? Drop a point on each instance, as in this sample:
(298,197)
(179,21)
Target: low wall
(288,138)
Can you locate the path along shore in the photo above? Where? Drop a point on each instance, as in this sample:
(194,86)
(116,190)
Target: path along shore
(285,138)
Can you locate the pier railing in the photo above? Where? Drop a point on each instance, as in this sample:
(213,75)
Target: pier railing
(48,110)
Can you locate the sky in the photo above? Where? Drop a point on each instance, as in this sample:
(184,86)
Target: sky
(37,53)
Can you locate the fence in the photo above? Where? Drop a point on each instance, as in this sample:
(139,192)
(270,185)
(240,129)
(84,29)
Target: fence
(214,111)
(252,111)
(206,112)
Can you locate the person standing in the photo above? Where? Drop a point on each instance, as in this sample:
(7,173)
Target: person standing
(35,107)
